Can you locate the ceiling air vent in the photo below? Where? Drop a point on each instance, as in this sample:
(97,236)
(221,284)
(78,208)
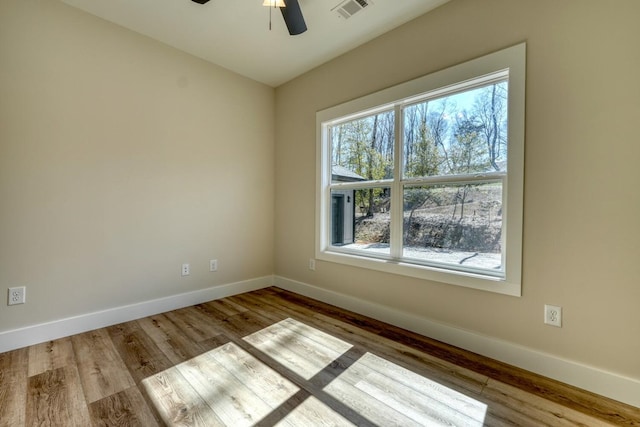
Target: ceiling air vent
(348,8)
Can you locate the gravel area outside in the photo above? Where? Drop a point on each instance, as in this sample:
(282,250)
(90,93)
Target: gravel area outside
(488,261)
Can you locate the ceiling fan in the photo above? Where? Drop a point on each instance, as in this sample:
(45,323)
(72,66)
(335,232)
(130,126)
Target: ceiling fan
(290,12)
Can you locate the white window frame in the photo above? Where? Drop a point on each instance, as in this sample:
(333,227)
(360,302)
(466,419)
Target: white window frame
(509,62)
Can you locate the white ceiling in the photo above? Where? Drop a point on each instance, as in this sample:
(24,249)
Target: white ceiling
(235,33)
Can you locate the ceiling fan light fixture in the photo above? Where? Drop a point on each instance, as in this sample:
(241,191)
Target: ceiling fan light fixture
(274,3)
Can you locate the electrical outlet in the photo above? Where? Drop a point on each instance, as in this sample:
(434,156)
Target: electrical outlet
(553,315)
(17,295)
(312,264)
(213,265)
(186,270)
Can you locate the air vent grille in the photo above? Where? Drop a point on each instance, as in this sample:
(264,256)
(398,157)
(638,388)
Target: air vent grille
(348,8)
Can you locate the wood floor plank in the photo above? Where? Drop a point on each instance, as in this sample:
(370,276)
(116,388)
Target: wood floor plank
(228,306)
(292,351)
(177,402)
(175,345)
(102,371)
(13,401)
(417,386)
(138,351)
(126,408)
(209,310)
(13,387)
(242,324)
(55,398)
(214,342)
(316,337)
(233,402)
(312,412)
(416,404)
(366,405)
(273,388)
(194,324)
(502,416)
(541,410)
(253,303)
(309,337)
(302,366)
(50,355)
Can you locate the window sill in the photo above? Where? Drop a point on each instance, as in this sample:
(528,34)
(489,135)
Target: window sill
(458,278)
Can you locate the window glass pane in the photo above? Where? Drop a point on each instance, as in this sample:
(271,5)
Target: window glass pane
(362,149)
(457,134)
(360,219)
(454,224)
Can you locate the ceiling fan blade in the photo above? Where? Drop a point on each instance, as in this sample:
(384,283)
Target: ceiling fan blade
(293,17)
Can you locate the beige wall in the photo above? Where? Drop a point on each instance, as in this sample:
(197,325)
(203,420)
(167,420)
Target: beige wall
(582,203)
(120,159)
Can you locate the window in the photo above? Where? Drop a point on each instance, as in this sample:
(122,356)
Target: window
(426,178)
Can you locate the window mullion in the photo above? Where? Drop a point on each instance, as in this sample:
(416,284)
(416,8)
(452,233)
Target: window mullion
(361,184)
(324,208)
(396,188)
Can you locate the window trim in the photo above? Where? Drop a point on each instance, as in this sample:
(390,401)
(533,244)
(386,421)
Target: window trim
(512,59)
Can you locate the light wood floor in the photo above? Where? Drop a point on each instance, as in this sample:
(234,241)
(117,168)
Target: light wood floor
(272,357)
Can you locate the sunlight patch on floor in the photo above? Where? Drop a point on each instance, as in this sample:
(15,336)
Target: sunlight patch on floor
(312,412)
(388,394)
(227,386)
(301,348)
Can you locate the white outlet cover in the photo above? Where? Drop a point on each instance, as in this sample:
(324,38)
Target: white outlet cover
(186,270)
(17,295)
(213,265)
(553,315)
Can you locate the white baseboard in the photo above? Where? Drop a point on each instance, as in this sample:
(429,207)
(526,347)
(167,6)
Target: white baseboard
(595,380)
(23,337)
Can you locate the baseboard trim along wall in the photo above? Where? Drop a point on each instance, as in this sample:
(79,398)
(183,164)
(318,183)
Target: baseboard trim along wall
(595,380)
(23,337)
